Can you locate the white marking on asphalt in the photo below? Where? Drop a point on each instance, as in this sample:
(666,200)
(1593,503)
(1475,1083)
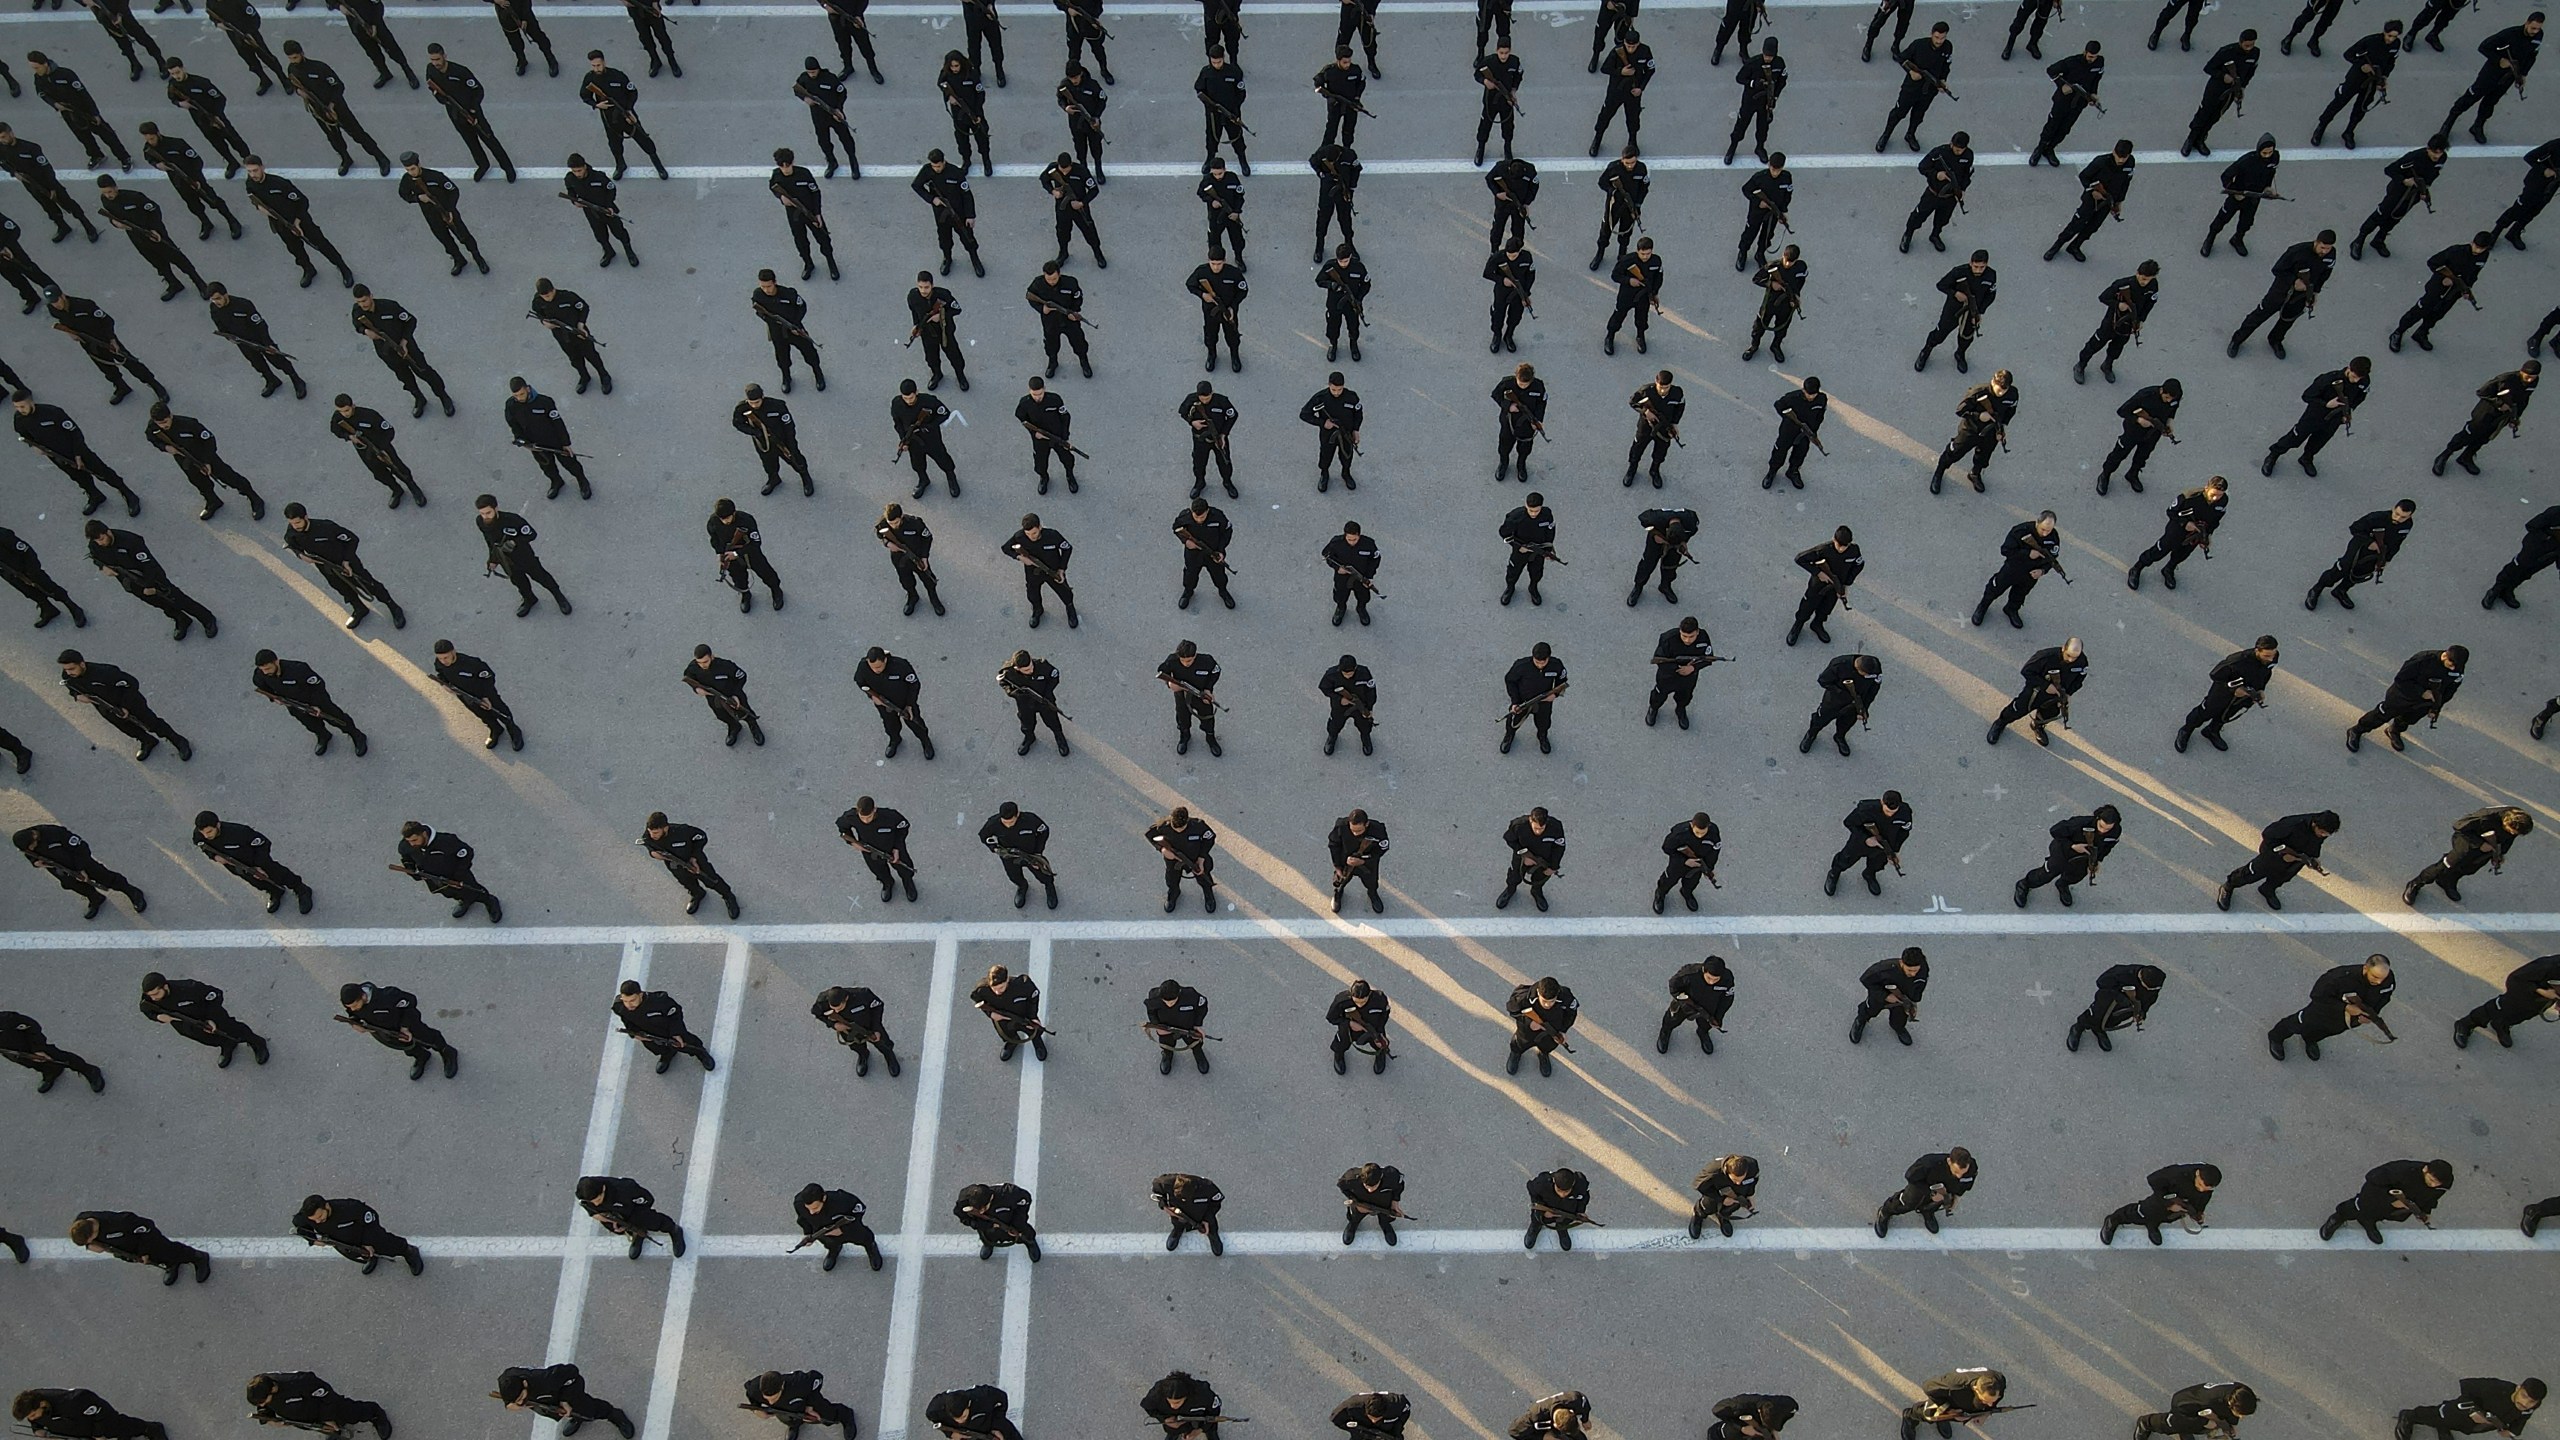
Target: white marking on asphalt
(604,1120)
(1014,1354)
(2039,994)
(2081,923)
(1313,1244)
(915,1215)
(701,1160)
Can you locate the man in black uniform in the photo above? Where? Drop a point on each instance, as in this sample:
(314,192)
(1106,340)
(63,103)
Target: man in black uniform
(1830,569)
(2541,182)
(1219,285)
(616,101)
(1533,682)
(1346,284)
(1536,841)
(1011,1004)
(2075,88)
(463,97)
(2451,272)
(1783,298)
(1498,75)
(1221,193)
(324,97)
(2177,1192)
(1340,85)
(138,1240)
(1205,533)
(2125,993)
(1762,1417)
(1848,685)
(796,1398)
(2300,273)
(1679,653)
(1966,1395)
(2214,1410)
(555,1392)
(2368,78)
(88,323)
(767,421)
(1690,850)
(2285,848)
(2372,543)
(391,1016)
(23,1043)
(1020,841)
(653,1018)
(122,556)
(1946,172)
(684,850)
(977,1413)
(394,333)
(880,834)
(891,683)
(2505,59)
(737,547)
(509,538)
(2426,682)
(299,688)
(1660,406)
(21,269)
(534,420)
(2104,182)
(1351,698)
(2227,77)
(1193,679)
(1033,685)
(1624,184)
(439,203)
(1666,543)
(60,87)
(2407,183)
(251,856)
(1639,280)
(909,542)
(2047,682)
(2502,401)
(441,861)
(2484,1406)
(824,93)
(1541,1016)
(985,32)
(237,320)
(785,316)
(1186,844)
(1558,1201)
(1894,988)
(472,682)
(51,432)
(2246,182)
(288,213)
(517,24)
(1058,299)
(2031,548)
(1354,559)
(2236,684)
(1520,405)
(1800,411)
(25,159)
(596,197)
(1338,171)
(179,161)
(119,700)
(1932,1185)
(1372,1190)
(1220,89)
(1763,78)
(26,574)
(304,1401)
(1701,990)
(195,1010)
(1357,844)
(933,311)
(2538,551)
(2393,1190)
(351,1228)
(2127,304)
(918,420)
(1982,424)
(1336,413)
(1630,68)
(854,1014)
(1766,195)
(625,1208)
(2191,520)
(1083,103)
(1970,288)
(1043,551)
(2531,989)
(2151,414)
(1177,1017)
(2481,841)
(1925,63)
(1878,829)
(804,209)
(1359,1016)
(2077,847)
(142,222)
(1183,1407)
(371,435)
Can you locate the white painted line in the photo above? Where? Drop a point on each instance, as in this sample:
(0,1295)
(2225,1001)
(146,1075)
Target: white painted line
(1754,1237)
(1013,1362)
(1549,166)
(701,1162)
(604,1120)
(2080,923)
(915,1213)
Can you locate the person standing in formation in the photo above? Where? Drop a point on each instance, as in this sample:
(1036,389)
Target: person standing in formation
(1701,991)
(1359,1015)
(1357,846)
